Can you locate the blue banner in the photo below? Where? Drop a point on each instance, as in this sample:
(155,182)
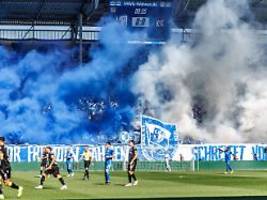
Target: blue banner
(158,139)
(150,15)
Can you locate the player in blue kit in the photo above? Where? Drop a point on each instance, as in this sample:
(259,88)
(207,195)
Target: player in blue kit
(109,154)
(69,162)
(227,159)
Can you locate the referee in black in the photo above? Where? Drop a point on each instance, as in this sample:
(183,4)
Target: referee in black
(132,163)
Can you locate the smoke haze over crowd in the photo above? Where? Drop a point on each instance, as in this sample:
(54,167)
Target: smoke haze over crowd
(222,68)
(40,101)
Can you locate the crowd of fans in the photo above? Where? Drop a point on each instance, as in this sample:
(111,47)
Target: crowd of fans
(95,109)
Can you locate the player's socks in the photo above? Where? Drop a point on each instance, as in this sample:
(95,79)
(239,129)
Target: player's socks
(1,192)
(84,175)
(14,186)
(87,174)
(107,178)
(134,177)
(129,178)
(42,179)
(1,188)
(61,180)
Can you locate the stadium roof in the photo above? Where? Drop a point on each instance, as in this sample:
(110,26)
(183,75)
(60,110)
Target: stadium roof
(65,12)
(35,19)
(51,12)
(186,10)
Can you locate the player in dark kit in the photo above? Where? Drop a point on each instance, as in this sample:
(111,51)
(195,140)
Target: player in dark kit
(44,162)
(52,168)
(5,171)
(132,163)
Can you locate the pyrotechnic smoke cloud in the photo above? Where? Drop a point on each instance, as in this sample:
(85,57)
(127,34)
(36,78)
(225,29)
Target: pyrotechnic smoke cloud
(222,68)
(39,99)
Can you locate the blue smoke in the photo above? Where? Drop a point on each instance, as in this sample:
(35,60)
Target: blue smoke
(44,102)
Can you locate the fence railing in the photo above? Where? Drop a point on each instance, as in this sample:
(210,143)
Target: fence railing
(116,166)
(30,34)
(154,166)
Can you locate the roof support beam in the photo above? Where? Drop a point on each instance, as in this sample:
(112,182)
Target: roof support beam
(40,9)
(81,37)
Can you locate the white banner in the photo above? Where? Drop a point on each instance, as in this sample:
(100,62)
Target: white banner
(210,152)
(205,152)
(32,153)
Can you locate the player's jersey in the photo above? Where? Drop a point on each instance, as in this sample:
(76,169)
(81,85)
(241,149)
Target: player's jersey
(132,153)
(167,158)
(50,158)
(227,155)
(4,162)
(44,160)
(3,151)
(109,154)
(69,156)
(87,156)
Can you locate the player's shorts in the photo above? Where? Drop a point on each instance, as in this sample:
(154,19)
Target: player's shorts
(43,164)
(5,174)
(132,167)
(87,164)
(54,171)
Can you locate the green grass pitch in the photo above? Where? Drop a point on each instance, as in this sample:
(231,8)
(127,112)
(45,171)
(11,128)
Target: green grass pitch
(152,185)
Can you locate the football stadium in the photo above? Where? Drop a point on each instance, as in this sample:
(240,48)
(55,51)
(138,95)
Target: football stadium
(133,99)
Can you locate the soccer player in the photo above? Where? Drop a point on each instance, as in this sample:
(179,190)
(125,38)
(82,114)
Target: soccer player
(109,154)
(52,168)
(167,162)
(227,159)
(87,158)
(69,162)
(44,162)
(5,171)
(132,164)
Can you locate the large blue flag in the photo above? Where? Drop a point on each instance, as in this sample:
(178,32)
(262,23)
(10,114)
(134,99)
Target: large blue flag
(158,139)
